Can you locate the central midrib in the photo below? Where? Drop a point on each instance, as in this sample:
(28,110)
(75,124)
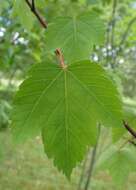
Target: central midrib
(66,117)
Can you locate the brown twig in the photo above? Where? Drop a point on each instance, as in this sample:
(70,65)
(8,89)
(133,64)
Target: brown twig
(113,22)
(132,142)
(83,176)
(92,161)
(125,35)
(130,130)
(113,25)
(35,12)
(61,58)
(110,37)
(44,25)
(33,5)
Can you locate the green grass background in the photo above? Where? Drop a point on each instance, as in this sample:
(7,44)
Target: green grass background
(26,167)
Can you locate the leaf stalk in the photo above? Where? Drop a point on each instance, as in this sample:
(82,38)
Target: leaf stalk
(59,54)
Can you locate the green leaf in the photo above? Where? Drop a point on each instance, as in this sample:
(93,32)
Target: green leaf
(75,36)
(65,104)
(24,13)
(120,163)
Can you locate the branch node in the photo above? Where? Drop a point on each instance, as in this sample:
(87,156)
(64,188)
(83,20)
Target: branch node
(61,58)
(130,130)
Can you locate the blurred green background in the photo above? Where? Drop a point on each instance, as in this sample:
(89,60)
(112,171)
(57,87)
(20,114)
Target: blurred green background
(22,43)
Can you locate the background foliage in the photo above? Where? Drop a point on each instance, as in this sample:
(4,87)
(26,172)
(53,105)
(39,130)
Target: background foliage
(22,43)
